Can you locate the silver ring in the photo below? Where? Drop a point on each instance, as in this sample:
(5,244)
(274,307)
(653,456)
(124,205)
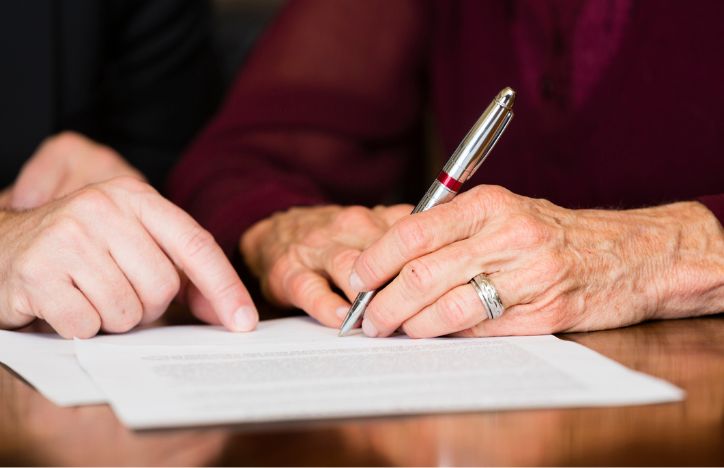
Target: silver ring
(488,296)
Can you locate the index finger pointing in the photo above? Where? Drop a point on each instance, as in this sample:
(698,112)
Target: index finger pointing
(195,252)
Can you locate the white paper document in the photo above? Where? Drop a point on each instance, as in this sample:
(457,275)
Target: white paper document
(293,369)
(48,363)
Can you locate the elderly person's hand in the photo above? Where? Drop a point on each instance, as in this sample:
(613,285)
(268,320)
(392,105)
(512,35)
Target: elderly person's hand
(555,269)
(301,254)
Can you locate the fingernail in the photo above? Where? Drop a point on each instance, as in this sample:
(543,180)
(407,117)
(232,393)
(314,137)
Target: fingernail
(244,319)
(342,312)
(369,328)
(355,282)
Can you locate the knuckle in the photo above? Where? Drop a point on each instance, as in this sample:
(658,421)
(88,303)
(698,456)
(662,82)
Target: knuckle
(67,231)
(299,285)
(413,331)
(20,304)
(367,268)
(496,192)
(81,326)
(352,215)
(131,184)
(65,142)
(169,288)
(491,195)
(277,281)
(318,304)
(29,266)
(417,276)
(91,200)
(126,319)
(303,253)
(379,315)
(279,269)
(159,297)
(343,261)
(229,288)
(528,231)
(453,309)
(411,235)
(198,242)
(315,238)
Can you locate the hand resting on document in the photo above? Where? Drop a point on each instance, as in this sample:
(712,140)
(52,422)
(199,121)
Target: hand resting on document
(301,253)
(110,256)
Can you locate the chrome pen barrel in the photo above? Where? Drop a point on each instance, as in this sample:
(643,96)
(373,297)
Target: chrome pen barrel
(482,137)
(435,195)
(355,312)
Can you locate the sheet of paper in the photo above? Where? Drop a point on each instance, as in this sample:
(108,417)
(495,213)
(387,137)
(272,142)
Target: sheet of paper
(48,363)
(292,369)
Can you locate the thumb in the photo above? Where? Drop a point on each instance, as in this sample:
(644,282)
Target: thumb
(38,181)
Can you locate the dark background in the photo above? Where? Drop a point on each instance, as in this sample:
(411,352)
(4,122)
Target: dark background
(237,24)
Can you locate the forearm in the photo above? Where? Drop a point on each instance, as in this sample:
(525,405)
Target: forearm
(689,276)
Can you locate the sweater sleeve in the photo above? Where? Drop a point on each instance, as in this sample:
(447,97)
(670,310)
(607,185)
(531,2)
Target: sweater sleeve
(326,109)
(715,203)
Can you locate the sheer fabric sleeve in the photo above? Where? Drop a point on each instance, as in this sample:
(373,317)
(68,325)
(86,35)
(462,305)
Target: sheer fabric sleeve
(325,110)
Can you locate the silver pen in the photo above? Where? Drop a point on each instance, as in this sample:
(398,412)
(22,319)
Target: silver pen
(467,158)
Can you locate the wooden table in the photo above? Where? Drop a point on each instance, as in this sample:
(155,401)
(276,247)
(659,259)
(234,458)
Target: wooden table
(689,353)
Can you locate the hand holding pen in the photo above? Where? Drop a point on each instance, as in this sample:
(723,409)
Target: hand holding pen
(466,159)
(488,262)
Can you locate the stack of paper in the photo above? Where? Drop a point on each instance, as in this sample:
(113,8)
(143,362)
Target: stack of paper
(294,369)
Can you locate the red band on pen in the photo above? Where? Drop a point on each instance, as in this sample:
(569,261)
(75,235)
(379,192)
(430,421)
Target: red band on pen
(450,182)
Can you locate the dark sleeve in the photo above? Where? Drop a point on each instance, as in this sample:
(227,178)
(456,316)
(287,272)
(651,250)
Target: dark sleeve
(161,80)
(325,110)
(715,203)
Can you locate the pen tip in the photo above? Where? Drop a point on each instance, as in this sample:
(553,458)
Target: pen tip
(506,97)
(343,330)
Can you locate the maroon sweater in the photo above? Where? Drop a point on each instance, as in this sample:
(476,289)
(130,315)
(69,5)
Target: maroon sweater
(620,104)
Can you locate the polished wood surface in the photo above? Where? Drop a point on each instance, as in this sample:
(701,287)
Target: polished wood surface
(689,353)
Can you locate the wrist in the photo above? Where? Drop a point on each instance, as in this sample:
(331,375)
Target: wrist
(689,280)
